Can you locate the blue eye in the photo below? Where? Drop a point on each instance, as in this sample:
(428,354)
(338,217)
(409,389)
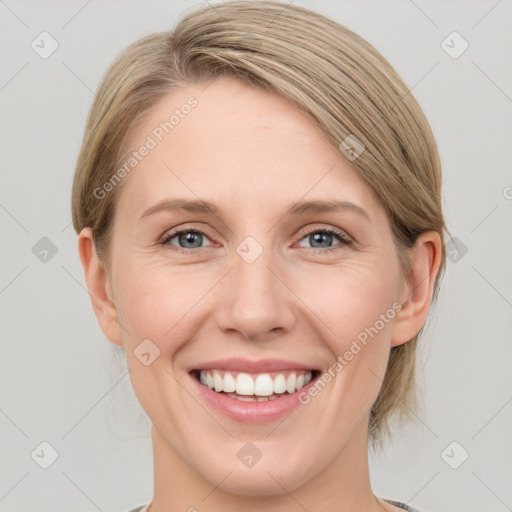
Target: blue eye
(190,240)
(325,235)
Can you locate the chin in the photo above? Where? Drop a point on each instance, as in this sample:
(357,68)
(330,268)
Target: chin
(270,479)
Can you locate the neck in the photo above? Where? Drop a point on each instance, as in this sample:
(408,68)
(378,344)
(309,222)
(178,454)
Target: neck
(343,486)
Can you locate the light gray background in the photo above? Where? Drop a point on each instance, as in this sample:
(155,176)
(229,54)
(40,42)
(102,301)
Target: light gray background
(59,380)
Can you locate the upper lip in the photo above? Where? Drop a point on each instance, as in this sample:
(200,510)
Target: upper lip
(249,366)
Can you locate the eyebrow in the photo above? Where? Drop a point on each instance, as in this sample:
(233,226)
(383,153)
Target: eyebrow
(297,208)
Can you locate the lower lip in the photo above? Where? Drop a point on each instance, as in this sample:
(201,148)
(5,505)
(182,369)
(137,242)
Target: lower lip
(252,412)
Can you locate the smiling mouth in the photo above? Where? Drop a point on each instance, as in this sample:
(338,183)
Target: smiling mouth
(260,387)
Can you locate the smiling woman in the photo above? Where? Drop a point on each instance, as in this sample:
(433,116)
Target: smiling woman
(269,264)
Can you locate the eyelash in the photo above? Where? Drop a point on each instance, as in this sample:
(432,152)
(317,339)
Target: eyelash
(341,235)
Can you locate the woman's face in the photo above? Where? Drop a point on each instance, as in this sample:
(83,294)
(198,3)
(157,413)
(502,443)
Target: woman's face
(254,284)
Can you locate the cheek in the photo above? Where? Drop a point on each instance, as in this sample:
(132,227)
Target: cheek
(158,305)
(352,300)
(158,301)
(357,306)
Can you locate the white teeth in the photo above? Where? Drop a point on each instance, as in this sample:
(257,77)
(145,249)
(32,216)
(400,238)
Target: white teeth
(244,384)
(229,383)
(290,383)
(252,398)
(262,385)
(243,398)
(279,384)
(218,381)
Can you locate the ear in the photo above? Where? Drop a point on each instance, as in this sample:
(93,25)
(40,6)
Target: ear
(98,285)
(416,294)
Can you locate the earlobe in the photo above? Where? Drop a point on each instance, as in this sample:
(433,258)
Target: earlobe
(416,301)
(99,288)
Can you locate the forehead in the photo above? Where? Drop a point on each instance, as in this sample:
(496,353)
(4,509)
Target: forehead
(236,145)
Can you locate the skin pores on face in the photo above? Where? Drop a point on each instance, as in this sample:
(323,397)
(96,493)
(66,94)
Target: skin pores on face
(251,154)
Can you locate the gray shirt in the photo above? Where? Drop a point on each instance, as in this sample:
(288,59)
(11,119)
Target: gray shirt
(392,502)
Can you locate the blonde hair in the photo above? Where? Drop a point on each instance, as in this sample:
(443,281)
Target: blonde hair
(333,75)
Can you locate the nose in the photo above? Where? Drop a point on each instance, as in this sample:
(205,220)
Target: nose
(256,302)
